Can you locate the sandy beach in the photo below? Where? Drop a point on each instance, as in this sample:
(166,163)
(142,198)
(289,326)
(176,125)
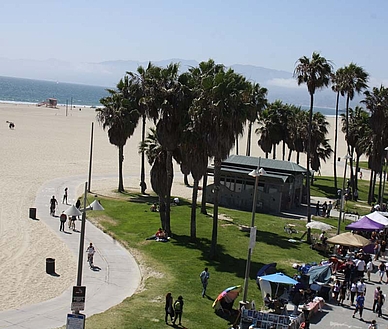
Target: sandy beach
(47,144)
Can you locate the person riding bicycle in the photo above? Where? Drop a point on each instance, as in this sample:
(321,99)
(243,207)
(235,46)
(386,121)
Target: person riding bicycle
(90,250)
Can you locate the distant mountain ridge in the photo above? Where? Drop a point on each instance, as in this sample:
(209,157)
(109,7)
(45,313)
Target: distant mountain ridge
(280,84)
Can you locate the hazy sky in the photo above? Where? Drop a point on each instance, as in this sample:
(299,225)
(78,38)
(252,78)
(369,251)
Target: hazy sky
(272,34)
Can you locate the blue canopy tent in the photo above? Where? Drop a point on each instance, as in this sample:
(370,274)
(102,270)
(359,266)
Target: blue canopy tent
(278,278)
(319,274)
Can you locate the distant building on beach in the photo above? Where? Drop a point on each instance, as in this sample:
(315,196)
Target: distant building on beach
(279,188)
(49,102)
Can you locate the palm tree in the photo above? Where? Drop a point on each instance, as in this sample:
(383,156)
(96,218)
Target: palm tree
(145,81)
(377,103)
(359,134)
(297,131)
(320,147)
(337,81)
(353,80)
(221,111)
(258,100)
(120,116)
(315,73)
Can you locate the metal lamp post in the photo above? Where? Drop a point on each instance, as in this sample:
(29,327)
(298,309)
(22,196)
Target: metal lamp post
(255,173)
(95,205)
(346,158)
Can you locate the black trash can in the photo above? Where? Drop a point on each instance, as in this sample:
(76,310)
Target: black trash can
(50,265)
(33,213)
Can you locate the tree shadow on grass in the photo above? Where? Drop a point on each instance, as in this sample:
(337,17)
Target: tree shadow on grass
(223,261)
(321,184)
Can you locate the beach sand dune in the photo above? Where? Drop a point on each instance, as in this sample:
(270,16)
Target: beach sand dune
(44,145)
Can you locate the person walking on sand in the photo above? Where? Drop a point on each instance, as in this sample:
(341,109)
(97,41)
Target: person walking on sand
(360,300)
(178,308)
(169,308)
(204,279)
(64,200)
(53,204)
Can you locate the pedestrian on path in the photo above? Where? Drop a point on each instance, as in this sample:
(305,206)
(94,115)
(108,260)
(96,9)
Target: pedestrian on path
(53,204)
(178,309)
(62,220)
(369,268)
(380,303)
(329,207)
(169,308)
(360,300)
(317,213)
(204,279)
(353,292)
(381,271)
(375,298)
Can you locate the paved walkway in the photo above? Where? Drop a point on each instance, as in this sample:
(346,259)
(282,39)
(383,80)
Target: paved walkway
(118,278)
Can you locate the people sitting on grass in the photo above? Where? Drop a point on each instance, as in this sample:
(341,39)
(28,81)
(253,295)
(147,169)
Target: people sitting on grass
(160,235)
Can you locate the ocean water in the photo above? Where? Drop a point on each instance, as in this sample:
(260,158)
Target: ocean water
(35,91)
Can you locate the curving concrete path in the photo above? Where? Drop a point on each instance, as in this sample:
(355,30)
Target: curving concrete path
(118,278)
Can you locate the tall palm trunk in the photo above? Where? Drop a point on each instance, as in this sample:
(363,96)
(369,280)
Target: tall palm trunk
(308,165)
(217,174)
(381,173)
(143,185)
(193,222)
(236,145)
(204,191)
(121,160)
(249,137)
(336,141)
(274,152)
(370,198)
(284,150)
(347,142)
(169,173)
(297,157)
(289,155)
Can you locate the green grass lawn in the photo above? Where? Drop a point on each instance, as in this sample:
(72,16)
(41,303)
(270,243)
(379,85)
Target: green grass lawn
(324,187)
(175,266)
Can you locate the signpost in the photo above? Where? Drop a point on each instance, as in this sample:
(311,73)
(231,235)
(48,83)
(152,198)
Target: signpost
(78,298)
(75,321)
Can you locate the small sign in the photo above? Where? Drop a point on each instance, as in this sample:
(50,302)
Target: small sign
(78,298)
(75,321)
(252,239)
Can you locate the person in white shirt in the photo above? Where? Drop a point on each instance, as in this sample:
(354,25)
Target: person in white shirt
(369,269)
(361,287)
(360,264)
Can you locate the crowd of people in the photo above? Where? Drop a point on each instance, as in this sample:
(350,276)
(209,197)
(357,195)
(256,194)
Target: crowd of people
(324,209)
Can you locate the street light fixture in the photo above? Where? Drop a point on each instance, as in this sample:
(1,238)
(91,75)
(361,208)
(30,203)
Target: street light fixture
(346,158)
(252,237)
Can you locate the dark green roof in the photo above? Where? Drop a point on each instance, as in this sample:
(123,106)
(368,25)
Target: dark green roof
(241,161)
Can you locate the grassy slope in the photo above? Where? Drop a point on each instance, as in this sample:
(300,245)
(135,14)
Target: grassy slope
(175,266)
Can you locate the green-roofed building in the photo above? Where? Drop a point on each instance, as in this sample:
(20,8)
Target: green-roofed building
(279,188)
